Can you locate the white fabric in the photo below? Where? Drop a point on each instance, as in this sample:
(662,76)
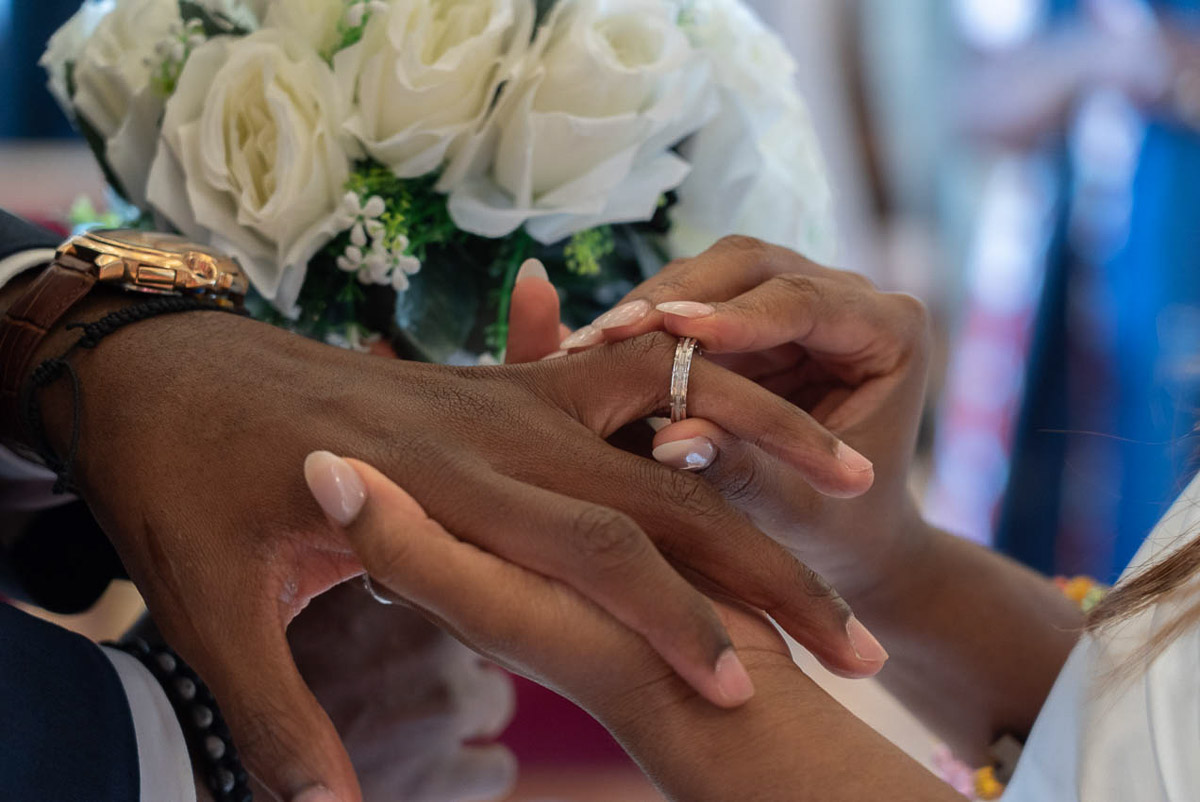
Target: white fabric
(164,767)
(25,485)
(1104,740)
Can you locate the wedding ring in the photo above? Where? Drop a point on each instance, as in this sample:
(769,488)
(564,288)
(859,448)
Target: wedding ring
(376,595)
(680,372)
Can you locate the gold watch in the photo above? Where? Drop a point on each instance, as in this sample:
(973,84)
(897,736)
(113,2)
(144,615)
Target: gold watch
(137,261)
(149,261)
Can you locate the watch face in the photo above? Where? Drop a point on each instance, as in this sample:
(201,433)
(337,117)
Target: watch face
(146,240)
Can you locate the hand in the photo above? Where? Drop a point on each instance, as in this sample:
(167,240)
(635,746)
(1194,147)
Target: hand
(192,429)
(405,697)
(827,341)
(531,624)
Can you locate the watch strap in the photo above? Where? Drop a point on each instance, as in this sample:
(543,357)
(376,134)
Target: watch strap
(27,322)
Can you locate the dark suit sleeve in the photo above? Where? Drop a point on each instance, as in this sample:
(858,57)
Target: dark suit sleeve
(17,235)
(66,732)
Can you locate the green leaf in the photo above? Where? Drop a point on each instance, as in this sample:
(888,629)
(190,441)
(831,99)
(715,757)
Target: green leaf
(438,313)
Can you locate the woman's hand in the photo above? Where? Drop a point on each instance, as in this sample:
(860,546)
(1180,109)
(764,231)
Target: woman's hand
(192,429)
(529,623)
(406,699)
(792,743)
(826,340)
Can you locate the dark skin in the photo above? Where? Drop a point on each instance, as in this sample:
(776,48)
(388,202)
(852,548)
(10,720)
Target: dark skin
(194,428)
(791,743)
(975,639)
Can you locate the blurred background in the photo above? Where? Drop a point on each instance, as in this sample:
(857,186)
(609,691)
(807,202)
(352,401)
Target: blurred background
(1028,168)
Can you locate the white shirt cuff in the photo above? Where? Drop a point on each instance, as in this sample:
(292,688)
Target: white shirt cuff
(164,767)
(19,262)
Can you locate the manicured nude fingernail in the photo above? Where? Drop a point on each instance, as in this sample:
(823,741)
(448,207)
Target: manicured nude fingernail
(587,336)
(865,646)
(555,355)
(693,454)
(732,680)
(532,269)
(335,485)
(853,461)
(623,315)
(688,309)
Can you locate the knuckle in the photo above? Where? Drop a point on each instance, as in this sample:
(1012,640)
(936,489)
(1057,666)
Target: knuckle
(607,538)
(741,485)
(655,346)
(914,314)
(691,494)
(741,244)
(798,285)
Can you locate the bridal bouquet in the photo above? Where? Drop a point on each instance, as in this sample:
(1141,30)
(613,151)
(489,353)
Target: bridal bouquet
(384,167)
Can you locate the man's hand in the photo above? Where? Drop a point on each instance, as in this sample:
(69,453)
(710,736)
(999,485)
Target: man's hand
(405,698)
(825,340)
(193,429)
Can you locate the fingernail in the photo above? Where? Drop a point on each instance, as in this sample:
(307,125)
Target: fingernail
(688,309)
(853,461)
(587,336)
(693,454)
(335,485)
(623,315)
(865,646)
(532,268)
(316,793)
(555,355)
(732,680)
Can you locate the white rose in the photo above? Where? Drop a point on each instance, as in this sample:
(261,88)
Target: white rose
(425,73)
(756,167)
(252,159)
(583,135)
(314,21)
(114,92)
(64,47)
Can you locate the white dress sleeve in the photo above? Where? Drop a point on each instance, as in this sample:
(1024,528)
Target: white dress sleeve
(1104,736)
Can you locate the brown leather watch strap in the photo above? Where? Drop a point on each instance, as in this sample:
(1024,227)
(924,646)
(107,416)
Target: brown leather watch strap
(27,322)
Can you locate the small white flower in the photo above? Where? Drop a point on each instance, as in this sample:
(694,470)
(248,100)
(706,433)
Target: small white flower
(361,218)
(351,259)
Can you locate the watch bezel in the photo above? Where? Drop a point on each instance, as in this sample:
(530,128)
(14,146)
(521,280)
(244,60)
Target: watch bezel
(124,259)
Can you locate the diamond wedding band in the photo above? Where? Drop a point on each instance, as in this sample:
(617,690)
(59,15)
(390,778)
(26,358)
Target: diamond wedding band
(687,348)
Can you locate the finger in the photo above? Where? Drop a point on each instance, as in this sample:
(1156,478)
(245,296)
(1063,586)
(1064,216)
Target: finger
(467,588)
(533,317)
(825,315)
(283,736)
(606,557)
(697,530)
(759,485)
(609,387)
(727,269)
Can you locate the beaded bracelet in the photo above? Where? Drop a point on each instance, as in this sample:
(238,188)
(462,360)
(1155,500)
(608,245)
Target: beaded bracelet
(988,783)
(204,729)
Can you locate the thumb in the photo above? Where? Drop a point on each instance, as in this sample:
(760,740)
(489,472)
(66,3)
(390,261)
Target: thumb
(283,736)
(533,316)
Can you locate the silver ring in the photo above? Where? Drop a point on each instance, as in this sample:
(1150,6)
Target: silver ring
(376,595)
(680,371)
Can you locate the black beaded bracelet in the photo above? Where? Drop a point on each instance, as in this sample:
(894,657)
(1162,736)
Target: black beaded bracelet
(204,729)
